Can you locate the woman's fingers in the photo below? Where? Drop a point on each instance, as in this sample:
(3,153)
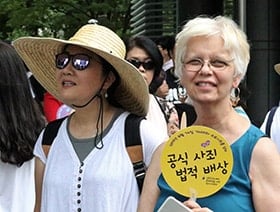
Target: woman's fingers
(196,207)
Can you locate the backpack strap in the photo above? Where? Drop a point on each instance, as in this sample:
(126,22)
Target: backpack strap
(269,120)
(50,134)
(133,141)
(133,145)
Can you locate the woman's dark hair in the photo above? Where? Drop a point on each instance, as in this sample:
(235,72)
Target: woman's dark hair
(245,93)
(156,83)
(20,120)
(167,42)
(107,67)
(150,47)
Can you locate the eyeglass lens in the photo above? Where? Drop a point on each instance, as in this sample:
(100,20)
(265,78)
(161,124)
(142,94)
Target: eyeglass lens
(148,65)
(79,61)
(196,65)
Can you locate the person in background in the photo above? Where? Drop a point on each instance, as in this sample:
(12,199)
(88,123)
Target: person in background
(88,167)
(20,125)
(37,90)
(271,123)
(143,53)
(168,108)
(177,94)
(212,55)
(54,109)
(159,86)
(165,45)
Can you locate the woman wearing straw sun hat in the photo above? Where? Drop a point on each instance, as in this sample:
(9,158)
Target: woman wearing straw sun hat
(87,167)
(271,123)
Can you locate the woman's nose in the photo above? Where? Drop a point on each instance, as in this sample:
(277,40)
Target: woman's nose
(68,70)
(205,68)
(141,69)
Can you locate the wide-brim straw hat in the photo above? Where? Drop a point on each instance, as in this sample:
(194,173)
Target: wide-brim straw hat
(39,55)
(277,68)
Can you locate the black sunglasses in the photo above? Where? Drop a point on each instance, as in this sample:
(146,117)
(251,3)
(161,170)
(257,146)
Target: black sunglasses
(148,65)
(79,61)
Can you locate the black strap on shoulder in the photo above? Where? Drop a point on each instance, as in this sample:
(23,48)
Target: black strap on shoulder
(133,145)
(269,121)
(132,131)
(51,131)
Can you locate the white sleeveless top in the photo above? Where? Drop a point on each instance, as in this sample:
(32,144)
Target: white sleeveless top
(104,182)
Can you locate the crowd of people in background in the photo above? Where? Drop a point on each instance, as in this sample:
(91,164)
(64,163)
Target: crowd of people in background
(175,81)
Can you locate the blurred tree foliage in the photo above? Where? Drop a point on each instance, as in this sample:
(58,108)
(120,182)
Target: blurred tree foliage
(60,18)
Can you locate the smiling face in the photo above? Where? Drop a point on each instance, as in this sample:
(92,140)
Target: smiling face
(208,84)
(78,86)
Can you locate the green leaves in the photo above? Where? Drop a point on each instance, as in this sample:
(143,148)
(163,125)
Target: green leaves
(60,18)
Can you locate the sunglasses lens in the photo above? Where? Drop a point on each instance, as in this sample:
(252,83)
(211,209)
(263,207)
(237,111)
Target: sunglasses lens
(61,60)
(80,62)
(148,65)
(136,63)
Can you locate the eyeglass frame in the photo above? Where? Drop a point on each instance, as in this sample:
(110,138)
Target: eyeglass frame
(209,63)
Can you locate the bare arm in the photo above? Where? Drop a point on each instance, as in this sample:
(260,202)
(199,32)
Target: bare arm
(39,173)
(265,175)
(150,190)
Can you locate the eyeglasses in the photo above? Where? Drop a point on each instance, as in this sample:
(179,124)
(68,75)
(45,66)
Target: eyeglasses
(148,65)
(79,61)
(196,65)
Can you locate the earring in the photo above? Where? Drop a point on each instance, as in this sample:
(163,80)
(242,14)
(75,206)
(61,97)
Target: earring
(235,96)
(182,93)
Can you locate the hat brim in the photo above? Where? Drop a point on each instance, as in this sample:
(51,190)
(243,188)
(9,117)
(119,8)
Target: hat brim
(39,56)
(277,68)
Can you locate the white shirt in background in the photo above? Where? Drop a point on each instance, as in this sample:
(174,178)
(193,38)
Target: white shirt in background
(17,187)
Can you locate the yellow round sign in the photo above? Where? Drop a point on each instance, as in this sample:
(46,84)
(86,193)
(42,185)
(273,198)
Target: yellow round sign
(196,158)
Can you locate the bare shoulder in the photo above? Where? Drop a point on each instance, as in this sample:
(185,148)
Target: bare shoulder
(265,147)
(265,157)
(265,175)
